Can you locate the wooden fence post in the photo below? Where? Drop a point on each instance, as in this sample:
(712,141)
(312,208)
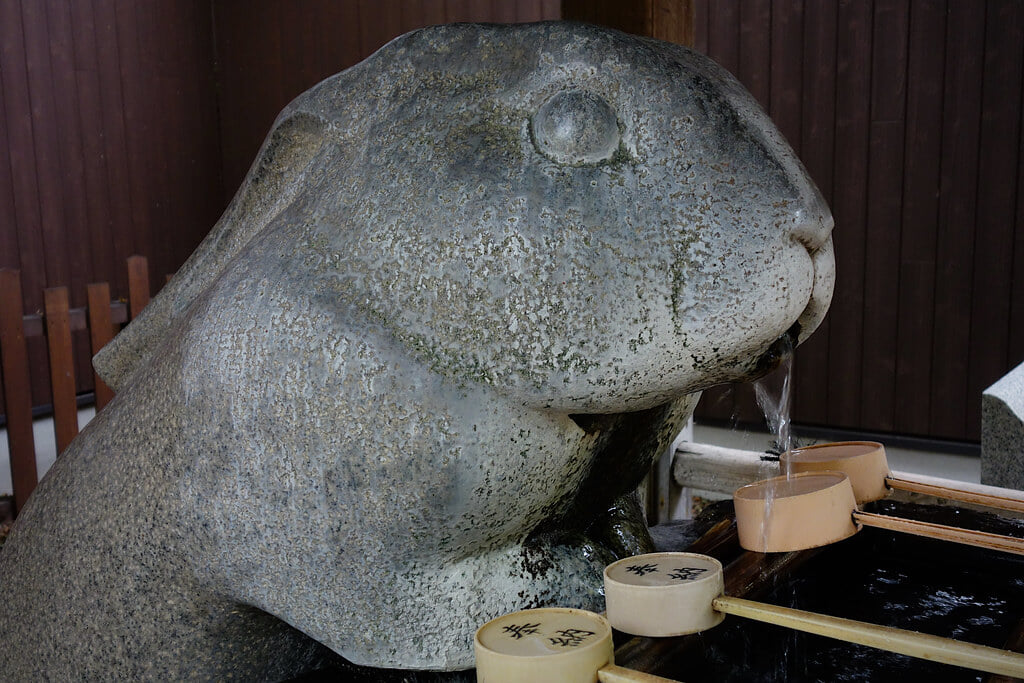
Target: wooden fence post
(101,331)
(17,388)
(138,284)
(62,369)
(58,320)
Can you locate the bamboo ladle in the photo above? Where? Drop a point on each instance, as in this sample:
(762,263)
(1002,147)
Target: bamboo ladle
(550,645)
(668,594)
(812,509)
(864,462)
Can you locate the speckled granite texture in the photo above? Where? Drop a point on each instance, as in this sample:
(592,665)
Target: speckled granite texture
(468,291)
(1002,431)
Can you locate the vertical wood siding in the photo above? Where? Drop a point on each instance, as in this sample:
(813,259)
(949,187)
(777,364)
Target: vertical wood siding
(108,146)
(908,115)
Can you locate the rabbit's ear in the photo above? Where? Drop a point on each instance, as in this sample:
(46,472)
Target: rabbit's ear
(270,186)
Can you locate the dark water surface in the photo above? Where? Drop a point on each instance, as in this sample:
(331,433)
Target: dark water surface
(876,576)
(880,577)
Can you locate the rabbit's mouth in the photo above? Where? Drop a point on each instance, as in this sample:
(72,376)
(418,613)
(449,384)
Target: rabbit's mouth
(778,351)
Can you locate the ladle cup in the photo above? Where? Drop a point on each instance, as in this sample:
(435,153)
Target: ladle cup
(550,645)
(663,594)
(864,462)
(812,509)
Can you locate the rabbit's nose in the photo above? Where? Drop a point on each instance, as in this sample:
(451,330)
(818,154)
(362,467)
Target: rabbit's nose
(813,223)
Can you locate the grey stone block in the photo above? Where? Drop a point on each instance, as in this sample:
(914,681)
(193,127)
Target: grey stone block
(1002,431)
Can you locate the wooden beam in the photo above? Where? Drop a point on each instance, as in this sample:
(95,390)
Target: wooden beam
(101,331)
(138,284)
(17,388)
(34,324)
(670,20)
(62,367)
(631,16)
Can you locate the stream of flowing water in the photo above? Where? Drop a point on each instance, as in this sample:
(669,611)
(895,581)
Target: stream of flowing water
(773,396)
(774,399)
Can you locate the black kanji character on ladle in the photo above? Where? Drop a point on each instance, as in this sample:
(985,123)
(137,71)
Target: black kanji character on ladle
(570,637)
(642,569)
(686,573)
(517,631)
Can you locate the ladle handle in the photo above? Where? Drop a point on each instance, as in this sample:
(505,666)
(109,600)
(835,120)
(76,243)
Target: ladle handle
(920,645)
(979,539)
(1002,501)
(618,674)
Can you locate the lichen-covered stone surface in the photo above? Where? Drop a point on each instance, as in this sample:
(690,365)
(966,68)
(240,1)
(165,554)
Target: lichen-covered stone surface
(469,290)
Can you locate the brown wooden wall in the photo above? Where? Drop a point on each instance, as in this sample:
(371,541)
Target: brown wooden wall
(108,145)
(108,131)
(908,115)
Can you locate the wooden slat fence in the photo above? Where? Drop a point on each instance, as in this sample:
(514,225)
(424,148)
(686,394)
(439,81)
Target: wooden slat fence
(102,318)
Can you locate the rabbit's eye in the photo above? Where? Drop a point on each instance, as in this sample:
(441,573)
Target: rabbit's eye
(576,127)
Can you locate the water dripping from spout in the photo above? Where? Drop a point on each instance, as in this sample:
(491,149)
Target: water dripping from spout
(772,393)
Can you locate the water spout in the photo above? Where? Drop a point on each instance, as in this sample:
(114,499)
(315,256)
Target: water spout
(774,397)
